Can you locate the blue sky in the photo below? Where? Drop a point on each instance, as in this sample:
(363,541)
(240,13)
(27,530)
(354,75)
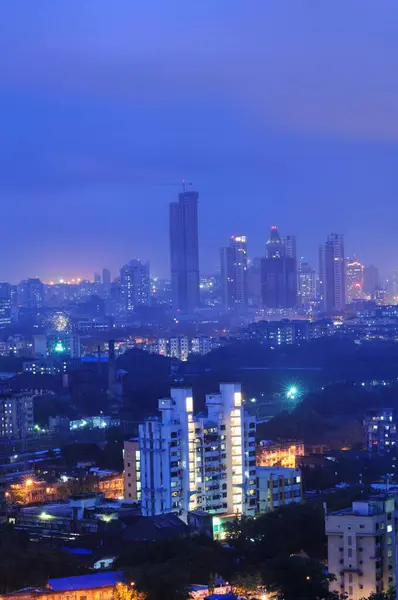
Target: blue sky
(280,111)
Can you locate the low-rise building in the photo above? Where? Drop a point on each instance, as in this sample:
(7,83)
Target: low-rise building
(97,586)
(276,487)
(362,547)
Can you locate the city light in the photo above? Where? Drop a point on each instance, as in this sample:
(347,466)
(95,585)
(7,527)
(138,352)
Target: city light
(44,516)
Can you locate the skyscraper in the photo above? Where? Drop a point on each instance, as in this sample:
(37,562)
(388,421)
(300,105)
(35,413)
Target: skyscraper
(184,251)
(106,277)
(332,273)
(354,279)
(371,279)
(279,273)
(234,274)
(306,283)
(135,284)
(5,304)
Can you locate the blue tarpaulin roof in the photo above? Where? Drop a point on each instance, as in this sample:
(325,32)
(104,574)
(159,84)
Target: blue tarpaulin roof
(85,582)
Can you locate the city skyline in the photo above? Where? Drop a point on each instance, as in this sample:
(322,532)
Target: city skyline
(291,130)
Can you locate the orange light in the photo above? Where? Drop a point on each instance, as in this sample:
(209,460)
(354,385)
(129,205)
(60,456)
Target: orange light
(29,482)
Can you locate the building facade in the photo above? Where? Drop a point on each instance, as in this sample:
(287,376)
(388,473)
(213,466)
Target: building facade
(184,252)
(206,462)
(362,547)
(332,273)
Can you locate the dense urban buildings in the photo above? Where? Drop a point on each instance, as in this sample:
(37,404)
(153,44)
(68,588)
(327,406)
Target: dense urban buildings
(279,272)
(332,273)
(201,461)
(184,251)
(362,547)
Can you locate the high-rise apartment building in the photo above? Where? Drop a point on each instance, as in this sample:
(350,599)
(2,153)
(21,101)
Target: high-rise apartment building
(234,274)
(306,283)
(354,275)
(371,279)
(184,252)
(332,273)
(135,285)
(362,547)
(279,273)
(205,461)
(16,414)
(5,304)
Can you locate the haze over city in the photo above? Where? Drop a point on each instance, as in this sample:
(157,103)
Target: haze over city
(278,114)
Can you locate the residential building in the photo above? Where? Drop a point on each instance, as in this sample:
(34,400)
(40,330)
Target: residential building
(277,486)
(205,461)
(16,414)
(234,274)
(354,279)
(135,285)
(362,547)
(132,471)
(283,453)
(279,273)
(179,347)
(380,426)
(5,304)
(201,345)
(184,252)
(332,273)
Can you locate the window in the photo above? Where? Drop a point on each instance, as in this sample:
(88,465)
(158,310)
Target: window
(349,553)
(349,540)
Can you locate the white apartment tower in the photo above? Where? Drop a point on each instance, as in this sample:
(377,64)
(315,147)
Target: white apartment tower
(206,462)
(362,547)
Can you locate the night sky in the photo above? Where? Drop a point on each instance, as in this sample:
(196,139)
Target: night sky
(279,111)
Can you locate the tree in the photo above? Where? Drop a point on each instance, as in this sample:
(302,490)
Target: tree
(388,595)
(122,591)
(297,578)
(247,584)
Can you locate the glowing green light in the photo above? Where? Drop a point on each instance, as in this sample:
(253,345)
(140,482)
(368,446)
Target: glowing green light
(59,347)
